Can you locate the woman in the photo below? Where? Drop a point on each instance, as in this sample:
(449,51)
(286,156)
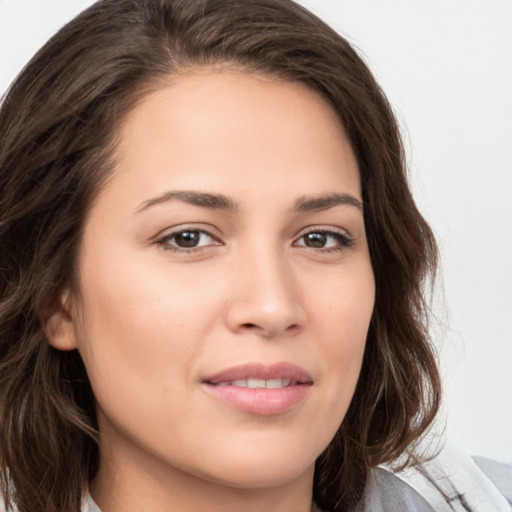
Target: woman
(212,268)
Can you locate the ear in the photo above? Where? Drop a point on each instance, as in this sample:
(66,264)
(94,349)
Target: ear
(58,324)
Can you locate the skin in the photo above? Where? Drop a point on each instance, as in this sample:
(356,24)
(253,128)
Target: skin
(151,320)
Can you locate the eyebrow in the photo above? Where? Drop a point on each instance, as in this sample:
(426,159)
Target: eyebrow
(322,202)
(203,199)
(305,203)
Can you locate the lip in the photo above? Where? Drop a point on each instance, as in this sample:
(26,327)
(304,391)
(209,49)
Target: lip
(260,401)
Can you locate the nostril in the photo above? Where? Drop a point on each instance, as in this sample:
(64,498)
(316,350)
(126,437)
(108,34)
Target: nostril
(267,332)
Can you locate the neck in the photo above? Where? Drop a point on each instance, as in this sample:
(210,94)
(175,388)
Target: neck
(138,485)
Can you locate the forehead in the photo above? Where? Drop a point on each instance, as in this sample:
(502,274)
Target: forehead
(217,130)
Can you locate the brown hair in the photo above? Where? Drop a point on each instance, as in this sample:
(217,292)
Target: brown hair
(57,129)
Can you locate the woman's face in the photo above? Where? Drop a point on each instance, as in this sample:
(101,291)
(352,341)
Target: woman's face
(225,284)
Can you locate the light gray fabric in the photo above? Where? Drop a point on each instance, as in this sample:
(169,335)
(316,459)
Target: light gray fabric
(385,492)
(452,482)
(499,474)
(89,505)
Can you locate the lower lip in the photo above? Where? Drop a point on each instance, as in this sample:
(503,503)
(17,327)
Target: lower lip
(264,402)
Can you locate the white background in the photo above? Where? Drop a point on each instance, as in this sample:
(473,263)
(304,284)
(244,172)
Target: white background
(446,66)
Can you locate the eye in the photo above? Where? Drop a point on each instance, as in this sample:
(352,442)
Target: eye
(187,239)
(323,239)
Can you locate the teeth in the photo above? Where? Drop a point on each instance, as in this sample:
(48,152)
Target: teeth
(275,383)
(258,383)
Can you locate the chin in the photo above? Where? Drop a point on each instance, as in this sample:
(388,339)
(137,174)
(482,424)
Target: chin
(249,475)
(259,463)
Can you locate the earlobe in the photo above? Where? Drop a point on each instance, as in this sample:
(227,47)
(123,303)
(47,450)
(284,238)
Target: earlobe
(58,323)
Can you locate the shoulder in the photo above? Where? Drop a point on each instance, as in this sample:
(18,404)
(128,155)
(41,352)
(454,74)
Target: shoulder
(499,474)
(450,482)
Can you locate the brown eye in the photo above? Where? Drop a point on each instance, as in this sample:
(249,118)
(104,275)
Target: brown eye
(325,240)
(187,239)
(316,240)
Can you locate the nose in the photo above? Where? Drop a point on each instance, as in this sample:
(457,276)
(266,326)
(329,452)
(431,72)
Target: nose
(266,298)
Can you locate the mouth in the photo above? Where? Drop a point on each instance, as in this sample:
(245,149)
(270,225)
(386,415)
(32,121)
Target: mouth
(255,383)
(260,389)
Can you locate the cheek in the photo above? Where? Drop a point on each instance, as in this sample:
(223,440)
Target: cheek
(344,316)
(345,305)
(138,325)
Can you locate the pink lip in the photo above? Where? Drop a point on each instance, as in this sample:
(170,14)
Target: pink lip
(261,401)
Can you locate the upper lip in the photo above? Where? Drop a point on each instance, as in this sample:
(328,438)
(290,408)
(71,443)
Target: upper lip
(261,371)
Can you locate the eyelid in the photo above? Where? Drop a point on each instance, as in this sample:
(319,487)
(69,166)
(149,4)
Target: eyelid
(162,239)
(164,236)
(322,228)
(347,240)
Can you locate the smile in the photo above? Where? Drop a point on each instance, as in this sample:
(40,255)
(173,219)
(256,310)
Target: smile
(260,389)
(259,383)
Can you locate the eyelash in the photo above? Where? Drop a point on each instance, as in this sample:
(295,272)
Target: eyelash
(165,240)
(344,240)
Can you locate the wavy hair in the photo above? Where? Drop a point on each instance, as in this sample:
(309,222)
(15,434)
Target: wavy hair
(58,126)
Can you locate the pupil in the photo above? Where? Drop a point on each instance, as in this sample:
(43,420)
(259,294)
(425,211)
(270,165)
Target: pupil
(187,238)
(317,240)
